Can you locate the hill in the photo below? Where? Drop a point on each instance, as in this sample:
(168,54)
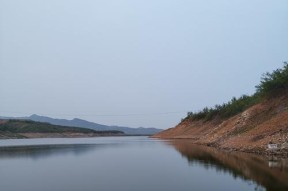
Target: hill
(76,122)
(248,123)
(31,129)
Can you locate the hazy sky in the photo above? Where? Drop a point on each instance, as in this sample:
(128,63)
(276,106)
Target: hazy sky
(135,62)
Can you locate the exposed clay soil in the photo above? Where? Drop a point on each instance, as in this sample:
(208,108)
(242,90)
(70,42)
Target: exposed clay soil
(249,131)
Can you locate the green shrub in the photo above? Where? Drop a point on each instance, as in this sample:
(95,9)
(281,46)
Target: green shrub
(275,83)
(271,85)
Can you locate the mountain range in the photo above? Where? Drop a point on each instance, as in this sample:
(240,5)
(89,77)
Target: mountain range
(76,122)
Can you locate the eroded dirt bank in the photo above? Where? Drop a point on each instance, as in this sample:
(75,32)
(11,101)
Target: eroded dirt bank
(249,131)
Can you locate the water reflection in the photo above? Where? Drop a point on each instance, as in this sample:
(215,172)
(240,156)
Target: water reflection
(134,164)
(272,173)
(44,151)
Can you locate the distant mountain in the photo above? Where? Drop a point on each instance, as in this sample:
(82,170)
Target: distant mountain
(87,124)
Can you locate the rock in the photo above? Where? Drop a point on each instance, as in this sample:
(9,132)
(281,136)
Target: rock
(272,146)
(284,145)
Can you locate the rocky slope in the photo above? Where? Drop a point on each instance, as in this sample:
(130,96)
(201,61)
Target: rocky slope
(250,131)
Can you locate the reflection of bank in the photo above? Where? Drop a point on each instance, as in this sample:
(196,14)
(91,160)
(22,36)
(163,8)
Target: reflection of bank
(275,162)
(272,173)
(44,151)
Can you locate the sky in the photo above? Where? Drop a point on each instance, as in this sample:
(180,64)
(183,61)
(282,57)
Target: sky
(135,63)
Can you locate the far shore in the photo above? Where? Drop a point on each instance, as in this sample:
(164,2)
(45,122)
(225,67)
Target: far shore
(65,135)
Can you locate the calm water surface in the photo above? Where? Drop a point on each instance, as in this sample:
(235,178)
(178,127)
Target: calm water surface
(133,164)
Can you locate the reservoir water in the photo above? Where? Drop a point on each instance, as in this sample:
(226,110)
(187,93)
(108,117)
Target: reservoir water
(133,164)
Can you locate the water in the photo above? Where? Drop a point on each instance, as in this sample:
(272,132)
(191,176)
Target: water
(133,164)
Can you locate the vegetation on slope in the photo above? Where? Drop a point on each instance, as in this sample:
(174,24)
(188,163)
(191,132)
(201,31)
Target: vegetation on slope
(27,126)
(271,85)
(275,83)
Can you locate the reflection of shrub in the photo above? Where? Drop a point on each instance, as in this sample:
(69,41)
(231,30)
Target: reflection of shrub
(271,85)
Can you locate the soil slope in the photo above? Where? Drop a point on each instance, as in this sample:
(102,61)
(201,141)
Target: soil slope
(250,131)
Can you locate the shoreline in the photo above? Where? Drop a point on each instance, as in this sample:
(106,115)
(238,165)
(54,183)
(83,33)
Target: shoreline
(54,135)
